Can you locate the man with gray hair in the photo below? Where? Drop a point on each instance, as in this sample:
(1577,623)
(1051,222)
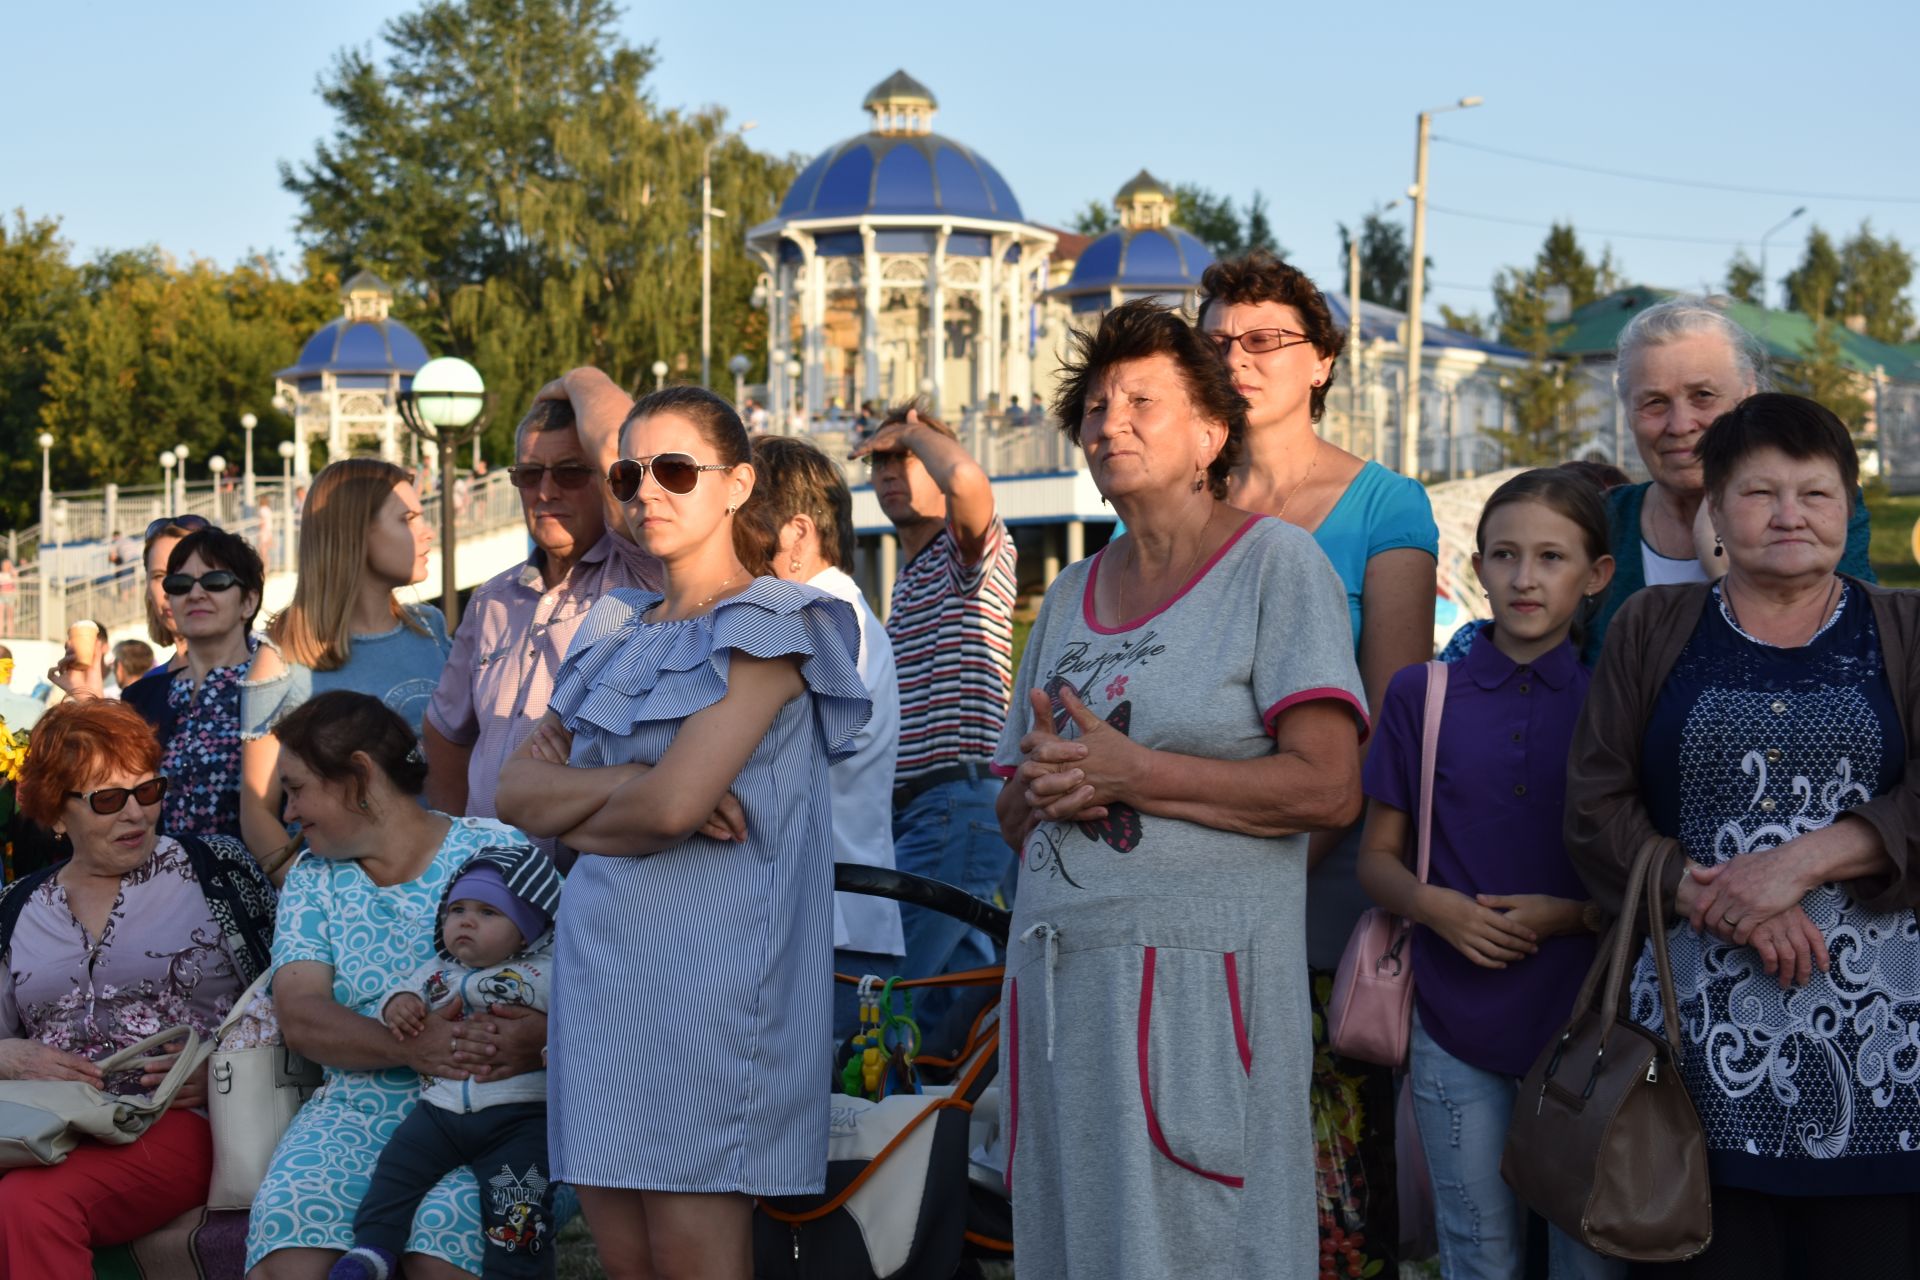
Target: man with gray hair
(518,624)
(1680,364)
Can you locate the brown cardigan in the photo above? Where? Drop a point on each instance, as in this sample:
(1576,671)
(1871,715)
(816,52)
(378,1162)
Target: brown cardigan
(1607,820)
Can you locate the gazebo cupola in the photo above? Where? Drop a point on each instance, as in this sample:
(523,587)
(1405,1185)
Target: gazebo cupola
(900,264)
(1146,256)
(345,388)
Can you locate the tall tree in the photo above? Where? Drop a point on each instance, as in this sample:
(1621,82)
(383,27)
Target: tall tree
(1546,424)
(1743,280)
(1822,374)
(1210,216)
(1092,220)
(39,289)
(506,169)
(1813,287)
(1874,275)
(1385,260)
(1560,269)
(1469,322)
(1259,229)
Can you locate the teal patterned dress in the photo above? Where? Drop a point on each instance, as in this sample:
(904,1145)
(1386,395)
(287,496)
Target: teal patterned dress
(332,913)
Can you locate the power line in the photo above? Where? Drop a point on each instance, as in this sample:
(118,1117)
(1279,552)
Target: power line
(1680,182)
(1592,231)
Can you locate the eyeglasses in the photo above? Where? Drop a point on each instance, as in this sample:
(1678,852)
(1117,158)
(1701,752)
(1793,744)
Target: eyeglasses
(676,472)
(568,475)
(1257,342)
(191,523)
(178,584)
(111,800)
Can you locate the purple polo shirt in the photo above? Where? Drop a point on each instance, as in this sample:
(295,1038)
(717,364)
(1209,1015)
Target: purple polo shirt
(1498,789)
(512,639)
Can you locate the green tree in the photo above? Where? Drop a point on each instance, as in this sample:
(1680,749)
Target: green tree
(1813,287)
(1385,260)
(1823,374)
(1465,321)
(39,289)
(1545,423)
(1209,216)
(1259,229)
(1561,270)
(505,168)
(1093,220)
(1874,275)
(1743,280)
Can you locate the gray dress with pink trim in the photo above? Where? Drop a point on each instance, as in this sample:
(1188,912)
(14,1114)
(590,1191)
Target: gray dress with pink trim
(1158,1029)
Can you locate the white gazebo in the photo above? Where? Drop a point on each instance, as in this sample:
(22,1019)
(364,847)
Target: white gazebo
(344,390)
(900,265)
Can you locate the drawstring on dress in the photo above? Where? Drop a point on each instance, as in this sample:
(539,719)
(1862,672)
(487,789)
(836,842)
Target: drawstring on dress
(1050,936)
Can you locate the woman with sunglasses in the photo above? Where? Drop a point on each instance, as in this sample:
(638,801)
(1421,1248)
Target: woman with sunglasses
(150,694)
(1272,327)
(214,582)
(363,538)
(666,701)
(131,933)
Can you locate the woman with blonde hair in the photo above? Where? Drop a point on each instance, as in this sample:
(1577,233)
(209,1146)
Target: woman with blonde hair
(363,537)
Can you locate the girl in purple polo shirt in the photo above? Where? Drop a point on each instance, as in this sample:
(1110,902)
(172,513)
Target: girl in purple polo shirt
(1500,942)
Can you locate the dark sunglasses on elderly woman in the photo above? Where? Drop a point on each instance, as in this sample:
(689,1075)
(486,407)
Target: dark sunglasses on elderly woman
(111,800)
(676,472)
(568,475)
(178,584)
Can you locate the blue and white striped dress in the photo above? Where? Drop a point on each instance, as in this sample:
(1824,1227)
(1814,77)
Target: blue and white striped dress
(692,999)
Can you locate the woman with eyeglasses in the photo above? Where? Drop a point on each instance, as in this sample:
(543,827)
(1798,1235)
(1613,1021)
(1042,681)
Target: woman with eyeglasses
(1272,327)
(213,583)
(668,700)
(364,537)
(132,933)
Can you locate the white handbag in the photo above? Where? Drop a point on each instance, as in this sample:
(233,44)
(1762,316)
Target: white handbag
(252,1095)
(42,1121)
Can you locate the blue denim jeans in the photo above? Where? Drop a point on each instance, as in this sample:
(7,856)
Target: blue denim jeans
(1463,1114)
(949,832)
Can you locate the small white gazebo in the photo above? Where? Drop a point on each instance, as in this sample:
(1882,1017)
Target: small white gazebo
(345,388)
(901,265)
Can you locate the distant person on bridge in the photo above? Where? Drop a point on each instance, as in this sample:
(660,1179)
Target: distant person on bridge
(519,623)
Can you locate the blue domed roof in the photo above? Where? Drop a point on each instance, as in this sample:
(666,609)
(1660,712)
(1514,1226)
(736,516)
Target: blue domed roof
(359,346)
(1139,259)
(900,174)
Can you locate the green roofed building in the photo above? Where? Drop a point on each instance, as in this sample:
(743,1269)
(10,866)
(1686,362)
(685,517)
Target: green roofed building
(1889,376)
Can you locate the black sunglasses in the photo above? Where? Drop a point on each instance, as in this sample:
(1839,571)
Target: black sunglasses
(178,584)
(676,472)
(111,800)
(191,523)
(568,475)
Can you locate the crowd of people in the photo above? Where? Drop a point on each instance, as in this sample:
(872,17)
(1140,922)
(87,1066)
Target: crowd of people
(502,879)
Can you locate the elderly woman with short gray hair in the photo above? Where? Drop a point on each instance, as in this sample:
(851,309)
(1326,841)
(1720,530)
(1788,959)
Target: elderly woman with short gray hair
(1679,365)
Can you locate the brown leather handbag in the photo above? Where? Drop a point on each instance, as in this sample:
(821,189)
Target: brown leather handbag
(1604,1142)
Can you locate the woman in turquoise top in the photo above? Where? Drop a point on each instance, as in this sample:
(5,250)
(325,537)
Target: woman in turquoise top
(1271,325)
(363,537)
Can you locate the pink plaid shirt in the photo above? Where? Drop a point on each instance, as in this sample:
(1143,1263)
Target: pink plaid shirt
(512,639)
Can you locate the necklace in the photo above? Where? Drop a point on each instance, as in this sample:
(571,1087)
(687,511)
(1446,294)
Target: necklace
(1302,481)
(709,600)
(1826,611)
(1133,564)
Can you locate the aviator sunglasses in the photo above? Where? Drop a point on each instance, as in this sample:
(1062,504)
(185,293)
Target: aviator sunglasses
(676,472)
(178,584)
(108,801)
(568,475)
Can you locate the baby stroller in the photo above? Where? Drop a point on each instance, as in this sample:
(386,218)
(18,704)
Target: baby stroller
(915,1186)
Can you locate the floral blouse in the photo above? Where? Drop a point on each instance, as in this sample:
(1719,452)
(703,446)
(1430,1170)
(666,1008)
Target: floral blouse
(202,758)
(162,960)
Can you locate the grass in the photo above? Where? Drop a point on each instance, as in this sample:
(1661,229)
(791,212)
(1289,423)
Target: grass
(1894,516)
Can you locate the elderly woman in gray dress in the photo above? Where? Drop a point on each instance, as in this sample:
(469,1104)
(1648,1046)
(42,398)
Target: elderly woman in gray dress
(694,955)
(1186,710)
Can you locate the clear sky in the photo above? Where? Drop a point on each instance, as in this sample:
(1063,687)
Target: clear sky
(143,123)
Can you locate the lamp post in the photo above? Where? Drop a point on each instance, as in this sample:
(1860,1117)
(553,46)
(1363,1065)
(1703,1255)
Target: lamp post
(1764,282)
(707,214)
(217,465)
(738,366)
(1410,409)
(45,442)
(446,406)
(659,374)
(798,398)
(286,501)
(247,423)
(167,463)
(1353,335)
(180,453)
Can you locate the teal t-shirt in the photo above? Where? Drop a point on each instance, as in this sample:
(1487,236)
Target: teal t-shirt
(1380,511)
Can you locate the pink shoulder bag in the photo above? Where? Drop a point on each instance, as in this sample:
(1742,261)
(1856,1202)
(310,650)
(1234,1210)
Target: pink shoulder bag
(1370,1016)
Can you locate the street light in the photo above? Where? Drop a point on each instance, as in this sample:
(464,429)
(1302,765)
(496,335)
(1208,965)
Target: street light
(659,374)
(217,465)
(1410,409)
(739,366)
(707,214)
(247,423)
(446,406)
(798,400)
(180,452)
(1763,251)
(286,500)
(1353,334)
(167,463)
(45,441)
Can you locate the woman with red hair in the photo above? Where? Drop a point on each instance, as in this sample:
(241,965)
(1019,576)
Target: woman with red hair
(131,933)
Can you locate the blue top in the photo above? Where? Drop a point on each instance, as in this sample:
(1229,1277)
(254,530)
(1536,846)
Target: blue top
(1380,511)
(1749,746)
(400,667)
(1499,787)
(152,696)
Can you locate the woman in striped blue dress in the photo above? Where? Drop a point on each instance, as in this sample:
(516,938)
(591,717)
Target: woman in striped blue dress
(689,1032)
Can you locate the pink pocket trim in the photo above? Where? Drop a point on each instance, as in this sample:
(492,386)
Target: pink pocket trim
(1239,1023)
(1154,1133)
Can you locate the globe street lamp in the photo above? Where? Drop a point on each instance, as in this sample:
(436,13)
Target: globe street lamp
(217,465)
(446,406)
(659,374)
(286,500)
(707,214)
(739,366)
(46,479)
(798,401)
(247,423)
(180,452)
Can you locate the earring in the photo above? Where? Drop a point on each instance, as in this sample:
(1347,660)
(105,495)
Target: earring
(730,508)
(1316,382)
(363,804)
(1718,550)
(793,566)
(1103,500)
(1199,478)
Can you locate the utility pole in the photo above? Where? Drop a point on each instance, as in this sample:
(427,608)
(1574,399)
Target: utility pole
(1416,288)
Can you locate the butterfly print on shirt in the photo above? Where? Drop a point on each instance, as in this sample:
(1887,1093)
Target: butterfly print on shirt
(1121,829)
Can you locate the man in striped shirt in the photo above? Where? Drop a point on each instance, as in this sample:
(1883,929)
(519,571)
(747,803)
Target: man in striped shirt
(951,624)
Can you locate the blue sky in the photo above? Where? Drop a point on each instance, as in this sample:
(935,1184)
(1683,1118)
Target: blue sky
(142,123)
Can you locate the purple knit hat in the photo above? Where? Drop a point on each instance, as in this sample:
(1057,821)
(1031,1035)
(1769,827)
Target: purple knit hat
(485,884)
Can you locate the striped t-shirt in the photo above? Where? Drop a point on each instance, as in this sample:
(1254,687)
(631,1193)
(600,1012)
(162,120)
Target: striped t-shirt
(952,630)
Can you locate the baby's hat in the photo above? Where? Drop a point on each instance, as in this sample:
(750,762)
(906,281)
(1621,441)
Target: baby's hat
(484,883)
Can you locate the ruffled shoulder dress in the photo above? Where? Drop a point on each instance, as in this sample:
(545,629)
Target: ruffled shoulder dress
(690,1029)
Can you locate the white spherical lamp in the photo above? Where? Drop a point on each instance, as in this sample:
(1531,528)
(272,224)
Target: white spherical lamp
(449,392)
